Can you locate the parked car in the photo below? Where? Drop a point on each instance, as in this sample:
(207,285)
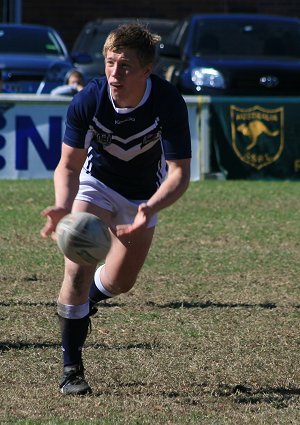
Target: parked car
(91,39)
(33,58)
(233,54)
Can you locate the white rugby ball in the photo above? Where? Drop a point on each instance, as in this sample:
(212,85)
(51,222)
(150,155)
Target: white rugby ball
(83,238)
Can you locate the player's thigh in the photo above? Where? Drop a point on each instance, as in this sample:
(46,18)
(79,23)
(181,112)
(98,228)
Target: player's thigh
(126,258)
(78,278)
(83,206)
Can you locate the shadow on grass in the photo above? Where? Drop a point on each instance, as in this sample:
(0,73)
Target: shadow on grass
(173,304)
(22,345)
(130,346)
(210,304)
(23,303)
(6,346)
(278,397)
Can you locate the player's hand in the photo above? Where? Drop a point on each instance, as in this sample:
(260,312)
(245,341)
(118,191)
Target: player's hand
(54,215)
(140,222)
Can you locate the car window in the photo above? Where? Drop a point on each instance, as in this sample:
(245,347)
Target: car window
(246,38)
(92,42)
(15,40)
(93,38)
(176,36)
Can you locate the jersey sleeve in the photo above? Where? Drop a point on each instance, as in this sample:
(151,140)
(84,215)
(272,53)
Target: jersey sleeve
(176,136)
(79,115)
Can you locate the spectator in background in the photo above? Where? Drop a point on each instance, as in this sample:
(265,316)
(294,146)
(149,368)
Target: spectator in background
(74,82)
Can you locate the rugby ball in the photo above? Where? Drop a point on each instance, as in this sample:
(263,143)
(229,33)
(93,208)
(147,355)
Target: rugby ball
(83,238)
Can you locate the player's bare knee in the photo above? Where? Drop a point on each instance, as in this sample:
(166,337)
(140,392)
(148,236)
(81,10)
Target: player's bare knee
(121,287)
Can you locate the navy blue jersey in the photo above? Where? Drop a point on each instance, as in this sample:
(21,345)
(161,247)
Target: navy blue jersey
(128,151)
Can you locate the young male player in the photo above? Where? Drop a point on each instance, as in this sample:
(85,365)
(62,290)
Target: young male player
(125,156)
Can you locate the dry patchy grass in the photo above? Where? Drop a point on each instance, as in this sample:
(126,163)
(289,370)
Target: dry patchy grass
(208,335)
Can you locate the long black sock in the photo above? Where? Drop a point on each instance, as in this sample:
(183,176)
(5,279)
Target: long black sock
(74,333)
(95,295)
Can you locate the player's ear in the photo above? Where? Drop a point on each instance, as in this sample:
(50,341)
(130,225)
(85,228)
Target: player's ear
(148,70)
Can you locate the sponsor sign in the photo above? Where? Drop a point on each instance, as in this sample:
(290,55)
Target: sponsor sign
(256,138)
(31,131)
(257,134)
(30,138)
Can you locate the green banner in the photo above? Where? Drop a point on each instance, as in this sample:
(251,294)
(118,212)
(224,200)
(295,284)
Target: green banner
(256,138)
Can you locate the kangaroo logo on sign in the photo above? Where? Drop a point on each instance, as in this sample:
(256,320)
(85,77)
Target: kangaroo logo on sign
(257,135)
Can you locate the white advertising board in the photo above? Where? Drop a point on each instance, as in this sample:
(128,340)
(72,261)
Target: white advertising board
(31,131)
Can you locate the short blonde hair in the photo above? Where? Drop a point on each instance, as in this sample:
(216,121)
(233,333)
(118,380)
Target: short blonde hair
(136,37)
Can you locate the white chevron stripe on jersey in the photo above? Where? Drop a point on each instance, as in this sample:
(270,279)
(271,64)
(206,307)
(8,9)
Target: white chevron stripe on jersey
(137,135)
(102,127)
(88,138)
(127,155)
(130,138)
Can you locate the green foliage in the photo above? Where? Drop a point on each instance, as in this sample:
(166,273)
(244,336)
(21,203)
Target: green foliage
(209,334)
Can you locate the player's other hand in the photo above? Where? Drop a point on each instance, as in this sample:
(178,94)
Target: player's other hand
(53,215)
(140,222)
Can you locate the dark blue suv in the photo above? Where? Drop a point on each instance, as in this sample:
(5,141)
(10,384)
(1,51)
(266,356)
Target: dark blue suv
(233,54)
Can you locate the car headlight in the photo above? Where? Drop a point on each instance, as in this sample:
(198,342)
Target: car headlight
(207,77)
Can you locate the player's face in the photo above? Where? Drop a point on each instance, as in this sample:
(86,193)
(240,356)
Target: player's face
(126,77)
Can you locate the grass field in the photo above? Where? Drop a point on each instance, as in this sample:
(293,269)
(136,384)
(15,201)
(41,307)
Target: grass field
(209,335)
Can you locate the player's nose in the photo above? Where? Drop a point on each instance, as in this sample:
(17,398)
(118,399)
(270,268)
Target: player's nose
(116,70)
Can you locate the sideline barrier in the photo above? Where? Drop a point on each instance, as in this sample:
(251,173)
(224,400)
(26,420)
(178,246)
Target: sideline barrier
(32,126)
(256,137)
(232,137)
(31,129)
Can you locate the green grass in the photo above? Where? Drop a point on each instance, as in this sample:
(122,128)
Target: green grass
(208,335)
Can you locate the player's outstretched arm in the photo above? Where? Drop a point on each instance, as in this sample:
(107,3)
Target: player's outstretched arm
(53,215)
(66,183)
(171,189)
(140,222)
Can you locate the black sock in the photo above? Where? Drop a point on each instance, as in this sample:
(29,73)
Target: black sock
(73,333)
(96,295)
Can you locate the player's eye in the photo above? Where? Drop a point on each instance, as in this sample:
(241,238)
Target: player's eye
(125,65)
